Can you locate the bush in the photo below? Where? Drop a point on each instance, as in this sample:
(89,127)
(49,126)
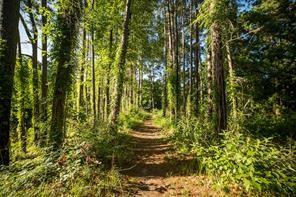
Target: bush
(254,164)
(238,158)
(133,118)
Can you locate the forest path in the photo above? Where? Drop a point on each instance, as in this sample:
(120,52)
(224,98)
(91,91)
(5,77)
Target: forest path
(158,170)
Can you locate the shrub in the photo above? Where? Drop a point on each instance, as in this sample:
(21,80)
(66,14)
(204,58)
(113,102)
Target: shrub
(133,118)
(254,164)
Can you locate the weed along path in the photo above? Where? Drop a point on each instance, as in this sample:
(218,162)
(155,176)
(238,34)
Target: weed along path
(157,170)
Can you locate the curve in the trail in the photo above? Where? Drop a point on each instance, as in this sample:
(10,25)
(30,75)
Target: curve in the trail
(157,170)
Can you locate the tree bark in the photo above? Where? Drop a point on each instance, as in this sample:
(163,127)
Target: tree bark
(63,50)
(231,81)
(44,87)
(9,15)
(197,76)
(121,66)
(217,62)
(21,112)
(108,73)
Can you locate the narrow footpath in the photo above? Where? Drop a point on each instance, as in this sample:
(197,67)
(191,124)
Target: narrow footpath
(158,171)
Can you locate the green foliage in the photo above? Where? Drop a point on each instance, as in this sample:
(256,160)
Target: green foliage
(85,166)
(132,118)
(254,164)
(191,133)
(280,128)
(164,122)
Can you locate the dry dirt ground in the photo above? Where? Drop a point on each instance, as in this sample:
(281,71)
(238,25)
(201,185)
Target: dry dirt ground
(159,171)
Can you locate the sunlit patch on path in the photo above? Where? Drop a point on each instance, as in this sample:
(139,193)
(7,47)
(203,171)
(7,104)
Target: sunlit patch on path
(158,171)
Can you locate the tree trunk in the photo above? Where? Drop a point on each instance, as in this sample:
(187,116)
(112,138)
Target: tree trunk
(21,113)
(217,62)
(165,94)
(64,49)
(34,42)
(82,72)
(191,60)
(210,84)
(231,81)
(93,78)
(184,58)
(99,102)
(9,15)
(44,63)
(44,72)
(120,64)
(197,77)
(177,66)
(108,73)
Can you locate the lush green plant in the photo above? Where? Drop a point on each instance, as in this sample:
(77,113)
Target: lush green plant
(238,158)
(252,163)
(83,167)
(133,118)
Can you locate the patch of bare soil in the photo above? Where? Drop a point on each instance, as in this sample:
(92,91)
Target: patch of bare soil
(159,171)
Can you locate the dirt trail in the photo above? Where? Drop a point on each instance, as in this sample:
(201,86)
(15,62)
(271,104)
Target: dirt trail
(158,171)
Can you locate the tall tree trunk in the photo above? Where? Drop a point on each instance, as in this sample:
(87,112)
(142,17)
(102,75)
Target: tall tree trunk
(184,58)
(82,73)
(217,62)
(210,83)
(140,85)
(231,81)
(9,15)
(191,59)
(99,102)
(93,77)
(108,73)
(44,63)
(68,30)
(177,66)
(165,93)
(44,71)
(93,70)
(121,66)
(34,42)
(21,113)
(197,76)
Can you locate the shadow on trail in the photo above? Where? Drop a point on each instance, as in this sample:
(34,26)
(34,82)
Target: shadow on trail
(155,157)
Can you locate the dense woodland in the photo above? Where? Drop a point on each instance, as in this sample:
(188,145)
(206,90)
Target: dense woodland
(216,78)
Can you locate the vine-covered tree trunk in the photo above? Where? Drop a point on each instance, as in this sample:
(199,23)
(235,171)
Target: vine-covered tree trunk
(44,72)
(184,57)
(34,41)
(93,71)
(9,15)
(217,63)
(177,66)
(81,87)
(93,78)
(165,92)
(21,112)
(197,75)
(108,102)
(231,81)
(210,83)
(67,28)
(191,59)
(44,63)
(120,65)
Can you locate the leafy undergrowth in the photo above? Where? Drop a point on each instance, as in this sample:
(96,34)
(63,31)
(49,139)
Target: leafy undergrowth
(238,161)
(133,118)
(86,165)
